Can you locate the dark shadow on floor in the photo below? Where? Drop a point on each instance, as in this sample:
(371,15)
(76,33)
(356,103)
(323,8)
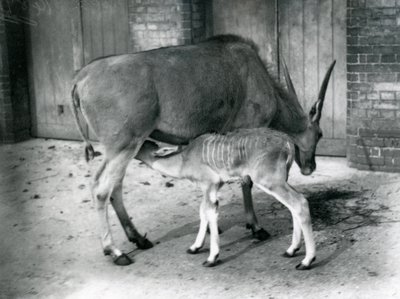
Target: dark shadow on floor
(335,206)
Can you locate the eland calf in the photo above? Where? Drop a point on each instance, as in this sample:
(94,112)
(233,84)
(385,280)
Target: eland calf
(262,154)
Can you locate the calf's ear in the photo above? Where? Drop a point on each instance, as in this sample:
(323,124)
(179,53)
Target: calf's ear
(167,150)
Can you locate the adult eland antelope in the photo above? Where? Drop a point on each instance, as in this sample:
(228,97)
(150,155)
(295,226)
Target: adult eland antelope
(175,94)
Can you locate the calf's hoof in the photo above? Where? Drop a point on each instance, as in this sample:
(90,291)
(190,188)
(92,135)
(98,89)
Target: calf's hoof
(220,231)
(261,234)
(301,266)
(287,254)
(193,251)
(208,264)
(143,243)
(122,260)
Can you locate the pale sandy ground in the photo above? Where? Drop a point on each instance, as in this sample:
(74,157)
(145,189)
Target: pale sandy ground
(50,246)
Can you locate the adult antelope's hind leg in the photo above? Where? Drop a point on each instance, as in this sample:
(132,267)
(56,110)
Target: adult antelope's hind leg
(251,218)
(298,206)
(108,178)
(131,232)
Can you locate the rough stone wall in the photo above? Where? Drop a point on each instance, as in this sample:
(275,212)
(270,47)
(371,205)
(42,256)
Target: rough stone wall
(161,23)
(373,90)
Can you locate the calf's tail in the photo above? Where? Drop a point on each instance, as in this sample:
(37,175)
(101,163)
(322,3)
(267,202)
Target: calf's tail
(89,151)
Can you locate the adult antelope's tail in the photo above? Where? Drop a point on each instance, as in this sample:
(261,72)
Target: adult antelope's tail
(89,151)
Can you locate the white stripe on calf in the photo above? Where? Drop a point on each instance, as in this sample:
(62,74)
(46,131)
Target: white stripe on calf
(224,153)
(219,153)
(213,151)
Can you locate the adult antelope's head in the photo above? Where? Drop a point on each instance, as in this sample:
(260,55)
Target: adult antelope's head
(307,140)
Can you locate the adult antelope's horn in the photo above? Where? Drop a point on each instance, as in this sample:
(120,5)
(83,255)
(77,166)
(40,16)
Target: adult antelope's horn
(324,85)
(289,83)
(317,107)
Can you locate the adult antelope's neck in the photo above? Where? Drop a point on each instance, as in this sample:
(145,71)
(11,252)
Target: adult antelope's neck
(289,117)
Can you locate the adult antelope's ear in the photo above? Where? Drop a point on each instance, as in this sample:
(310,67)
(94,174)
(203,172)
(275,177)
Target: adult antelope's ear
(316,109)
(288,80)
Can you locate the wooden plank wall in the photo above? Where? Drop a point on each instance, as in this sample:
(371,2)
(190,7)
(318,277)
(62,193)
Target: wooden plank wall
(312,33)
(67,36)
(105,27)
(72,33)
(51,68)
(253,19)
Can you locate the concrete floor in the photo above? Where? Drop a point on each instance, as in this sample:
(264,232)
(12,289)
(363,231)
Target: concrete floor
(50,245)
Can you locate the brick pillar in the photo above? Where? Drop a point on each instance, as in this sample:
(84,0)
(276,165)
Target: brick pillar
(373,74)
(198,20)
(155,24)
(6,135)
(14,101)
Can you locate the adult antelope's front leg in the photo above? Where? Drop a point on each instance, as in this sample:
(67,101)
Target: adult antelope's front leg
(251,218)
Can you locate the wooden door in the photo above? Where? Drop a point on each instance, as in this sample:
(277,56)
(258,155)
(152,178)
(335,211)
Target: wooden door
(51,68)
(105,26)
(253,19)
(65,37)
(312,33)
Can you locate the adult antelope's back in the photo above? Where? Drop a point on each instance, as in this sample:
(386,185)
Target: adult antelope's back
(175,94)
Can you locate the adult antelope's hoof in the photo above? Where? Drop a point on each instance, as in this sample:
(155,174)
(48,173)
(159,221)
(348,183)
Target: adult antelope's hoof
(122,260)
(191,251)
(304,267)
(211,264)
(287,254)
(144,244)
(261,234)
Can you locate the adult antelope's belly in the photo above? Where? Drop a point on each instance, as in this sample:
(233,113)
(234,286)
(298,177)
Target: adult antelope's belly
(180,129)
(171,138)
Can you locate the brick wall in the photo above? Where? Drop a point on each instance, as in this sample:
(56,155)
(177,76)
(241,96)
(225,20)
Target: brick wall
(14,101)
(373,91)
(161,23)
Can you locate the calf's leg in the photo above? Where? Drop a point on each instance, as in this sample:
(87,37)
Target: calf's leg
(201,235)
(296,239)
(211,211)
(298,206)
